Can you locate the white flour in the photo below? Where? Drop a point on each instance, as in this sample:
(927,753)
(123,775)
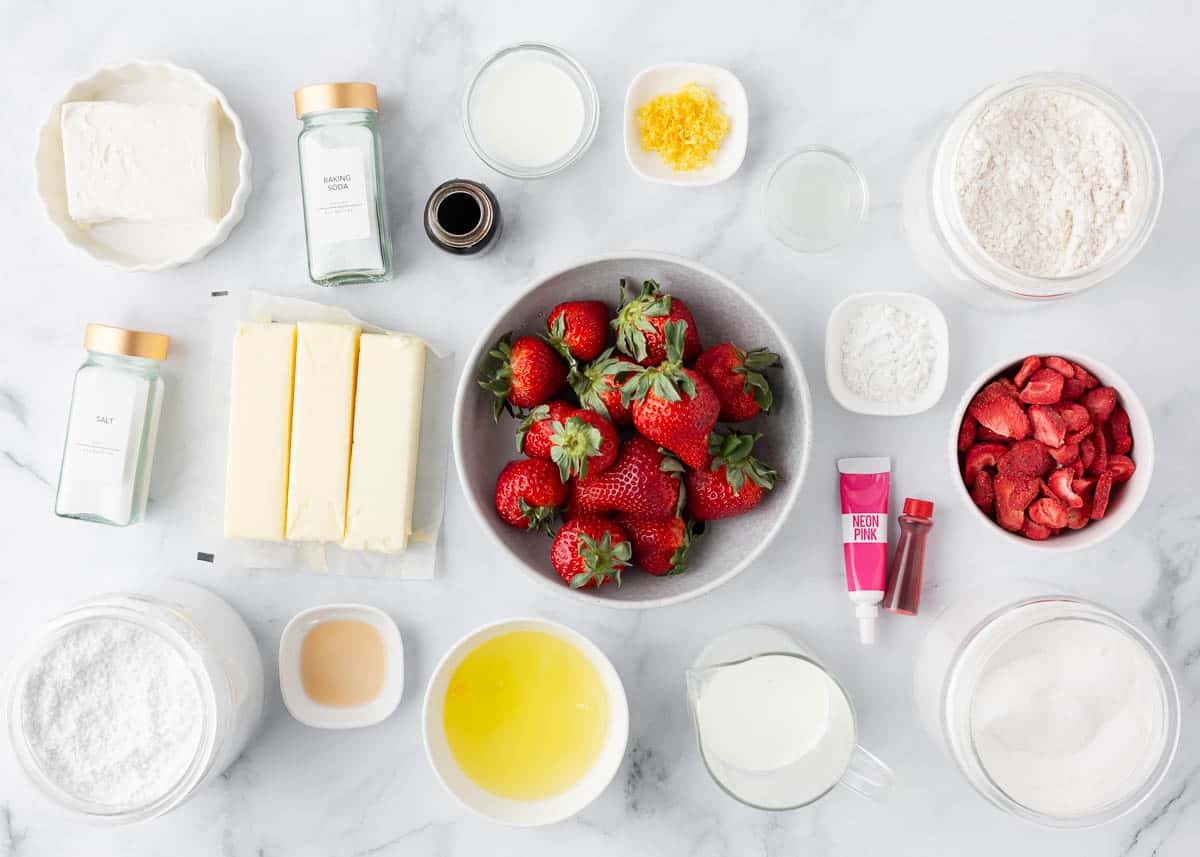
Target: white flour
(888,354)
(112,713)
(1045,183)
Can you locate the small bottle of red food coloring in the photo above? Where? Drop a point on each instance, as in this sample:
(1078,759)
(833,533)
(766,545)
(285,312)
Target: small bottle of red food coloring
(908,563)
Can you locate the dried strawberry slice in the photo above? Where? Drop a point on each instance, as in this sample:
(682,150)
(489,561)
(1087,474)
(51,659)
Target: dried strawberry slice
(1026,457)
(1008,387)
(1028,367)
(1082,485)
(1003,415)
(1048,425)
(1100,403)
(1085,377)
(1121,467)
(1100,499)
(1013,493)
(1061,366)
(1049,513)
(986,435)
(1087,451)
(1060,485)
(1075,416)
(979,456)
(1100,462)
(1066,454)
(1073,389)
(1034,530)
(1081,435)
(983,494)
(1118,428)
(1077,519)
(1044,387)
(966,433)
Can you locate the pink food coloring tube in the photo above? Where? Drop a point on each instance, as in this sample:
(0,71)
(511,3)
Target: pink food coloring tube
(864,489)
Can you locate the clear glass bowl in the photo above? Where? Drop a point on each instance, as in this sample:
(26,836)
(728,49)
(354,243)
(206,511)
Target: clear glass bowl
(587,92)
(814,199)
(944,244)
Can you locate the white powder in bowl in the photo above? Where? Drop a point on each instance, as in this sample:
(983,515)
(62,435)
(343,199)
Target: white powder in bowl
(112,713)
(1045,182)
(888,354)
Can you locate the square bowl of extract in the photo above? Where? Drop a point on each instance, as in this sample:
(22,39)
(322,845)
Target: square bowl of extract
(341,666)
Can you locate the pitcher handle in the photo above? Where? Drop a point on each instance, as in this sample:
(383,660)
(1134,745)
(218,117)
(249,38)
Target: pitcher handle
(867,775)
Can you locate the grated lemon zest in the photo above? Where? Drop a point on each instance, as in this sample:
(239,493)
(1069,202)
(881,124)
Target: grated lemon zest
(684,127)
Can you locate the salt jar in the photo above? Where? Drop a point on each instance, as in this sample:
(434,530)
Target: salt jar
(112,427)
(341,184)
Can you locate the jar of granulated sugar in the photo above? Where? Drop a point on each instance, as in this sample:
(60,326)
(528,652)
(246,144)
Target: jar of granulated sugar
(1038,188)
(128,704)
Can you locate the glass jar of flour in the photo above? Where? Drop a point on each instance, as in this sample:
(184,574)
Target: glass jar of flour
(112,428)
(341,183)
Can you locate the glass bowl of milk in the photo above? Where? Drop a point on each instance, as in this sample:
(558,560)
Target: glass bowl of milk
(530,110)
(777,731)
(1054,708)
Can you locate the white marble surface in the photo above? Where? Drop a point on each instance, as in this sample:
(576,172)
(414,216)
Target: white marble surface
(871,78)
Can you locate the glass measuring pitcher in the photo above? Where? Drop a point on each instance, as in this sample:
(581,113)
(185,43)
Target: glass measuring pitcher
(777,730)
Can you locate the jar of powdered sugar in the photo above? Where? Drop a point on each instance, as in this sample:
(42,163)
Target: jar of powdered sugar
(128,704)
(1038,188)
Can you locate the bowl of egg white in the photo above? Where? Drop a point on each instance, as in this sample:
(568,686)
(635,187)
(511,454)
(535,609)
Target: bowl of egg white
(143,166)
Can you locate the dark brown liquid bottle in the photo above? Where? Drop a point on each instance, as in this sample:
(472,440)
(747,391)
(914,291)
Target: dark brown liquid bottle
(908,562)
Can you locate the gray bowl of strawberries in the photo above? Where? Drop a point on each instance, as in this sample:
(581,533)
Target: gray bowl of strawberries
(581,421)
(1052,450)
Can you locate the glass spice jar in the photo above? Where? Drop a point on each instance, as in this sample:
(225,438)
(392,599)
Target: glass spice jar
(112,427)
(341,184)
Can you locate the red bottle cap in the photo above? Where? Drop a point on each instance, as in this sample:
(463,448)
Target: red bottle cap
(918,508)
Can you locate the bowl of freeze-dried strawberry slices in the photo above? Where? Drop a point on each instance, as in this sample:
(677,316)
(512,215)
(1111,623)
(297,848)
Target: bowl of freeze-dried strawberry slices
(632,430)
(1052,450)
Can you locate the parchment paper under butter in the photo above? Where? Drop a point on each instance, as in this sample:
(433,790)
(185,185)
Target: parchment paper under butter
(419,560)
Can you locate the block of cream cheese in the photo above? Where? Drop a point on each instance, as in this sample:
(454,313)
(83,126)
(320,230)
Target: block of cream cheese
(141,161)
(260,430)
(322,408)
(387,434)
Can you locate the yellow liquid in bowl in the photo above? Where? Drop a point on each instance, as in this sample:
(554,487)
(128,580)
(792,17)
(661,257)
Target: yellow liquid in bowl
(526,715)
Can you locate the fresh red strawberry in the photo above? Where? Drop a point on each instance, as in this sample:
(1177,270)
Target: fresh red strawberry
(1060,485)
(1118,429)
(1027,458)
(641,325)
(1121,467)
(734,481)
(525,373)
(1030,365)
(1048,425)
(1048,512)
(1044,387)
(979,456)
(1066,454)
(660,545)
(533,434)
(673,406)
(736,377)
(1100,403)
(578,329)
(598,386)
(642,482)
(1100,499)
(529,493)
(1075,416)
(590,551)
(966,432)
(1063,367)
(1014,493)
(998,410)
(1031,529)
(984,494)
(583,444)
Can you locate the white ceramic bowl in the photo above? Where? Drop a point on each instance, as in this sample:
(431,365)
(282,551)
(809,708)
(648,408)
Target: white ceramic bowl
(513,812)
(1125,499)
(145,246)
(838,327)
(723,313)
(669,77)
(314,714)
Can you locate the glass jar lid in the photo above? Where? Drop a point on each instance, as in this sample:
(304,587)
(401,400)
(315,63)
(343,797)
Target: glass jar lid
(336,96)
(129,343)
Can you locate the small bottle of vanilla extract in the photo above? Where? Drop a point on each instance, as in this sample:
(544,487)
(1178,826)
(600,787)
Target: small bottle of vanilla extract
(462,217)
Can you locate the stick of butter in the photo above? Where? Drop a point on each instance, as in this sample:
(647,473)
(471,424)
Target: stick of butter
(141,161)
(387,434)
(260,428)
(322,410)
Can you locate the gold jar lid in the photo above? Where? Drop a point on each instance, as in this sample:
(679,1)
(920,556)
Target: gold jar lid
(336,96)
(131,343)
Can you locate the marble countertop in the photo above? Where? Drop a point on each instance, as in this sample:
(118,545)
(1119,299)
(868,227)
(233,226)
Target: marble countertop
(870,78)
